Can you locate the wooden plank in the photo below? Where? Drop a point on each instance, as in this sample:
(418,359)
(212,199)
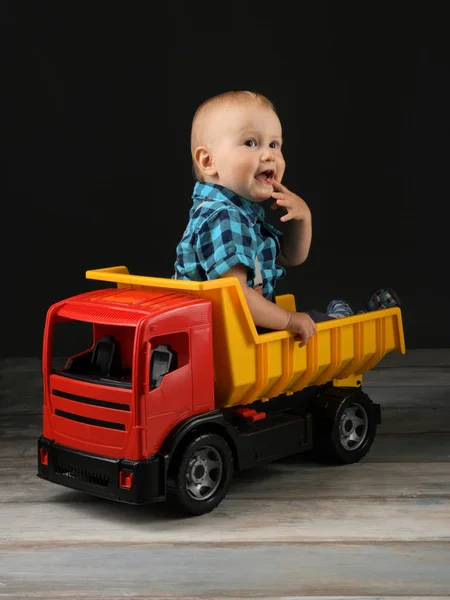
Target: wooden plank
(421,447)
(406,418)
(20,385)
(417,357)
(285,481)
(414,420)
(418,397)
(429,377)
(203,572)
(21,379)
(18,452)
(395,447)
(234,521)
(20,427)
(394,421)
(420,387)
(291,479)
(92,595)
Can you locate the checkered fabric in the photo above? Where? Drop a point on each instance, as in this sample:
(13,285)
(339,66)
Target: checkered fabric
(225,231)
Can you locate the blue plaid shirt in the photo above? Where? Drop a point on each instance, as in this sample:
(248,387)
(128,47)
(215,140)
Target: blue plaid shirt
(226,231)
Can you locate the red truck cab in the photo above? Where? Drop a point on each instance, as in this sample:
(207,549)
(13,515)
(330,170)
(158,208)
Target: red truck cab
(148,368)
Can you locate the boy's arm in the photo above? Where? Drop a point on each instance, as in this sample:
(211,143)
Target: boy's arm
(264,312)
(296,242)
(271,316)
(297,235)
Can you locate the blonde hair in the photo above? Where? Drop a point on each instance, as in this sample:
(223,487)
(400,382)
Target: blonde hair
(211,104)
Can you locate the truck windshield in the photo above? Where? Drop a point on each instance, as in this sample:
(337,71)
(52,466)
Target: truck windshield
(97,353)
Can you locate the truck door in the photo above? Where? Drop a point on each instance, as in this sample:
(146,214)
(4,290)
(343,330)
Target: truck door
(168,386)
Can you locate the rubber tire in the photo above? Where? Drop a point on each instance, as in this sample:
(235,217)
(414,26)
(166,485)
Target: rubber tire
(177,494)
(327,447)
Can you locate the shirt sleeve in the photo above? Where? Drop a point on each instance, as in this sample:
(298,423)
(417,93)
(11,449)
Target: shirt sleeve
(225,240)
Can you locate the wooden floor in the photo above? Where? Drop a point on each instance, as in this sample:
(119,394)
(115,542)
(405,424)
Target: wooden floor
(293,529)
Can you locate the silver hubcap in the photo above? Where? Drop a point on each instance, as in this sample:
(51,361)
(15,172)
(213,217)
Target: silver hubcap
(353,427)
(204,473)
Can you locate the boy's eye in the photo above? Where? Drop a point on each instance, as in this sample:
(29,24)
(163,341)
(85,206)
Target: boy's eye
(250,143)
(273,144)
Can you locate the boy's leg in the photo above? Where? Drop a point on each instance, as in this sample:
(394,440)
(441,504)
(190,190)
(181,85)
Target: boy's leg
(383,298)
(317,316)
(338,309)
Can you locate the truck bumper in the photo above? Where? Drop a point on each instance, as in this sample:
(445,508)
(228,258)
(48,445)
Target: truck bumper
(133,482)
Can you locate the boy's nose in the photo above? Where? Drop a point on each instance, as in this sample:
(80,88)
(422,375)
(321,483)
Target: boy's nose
(268,154)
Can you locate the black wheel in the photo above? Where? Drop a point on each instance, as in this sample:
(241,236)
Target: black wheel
(200,479)
(344,425)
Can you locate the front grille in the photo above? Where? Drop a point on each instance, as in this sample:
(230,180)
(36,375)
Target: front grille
(82,475)
(91,401)
(89,420)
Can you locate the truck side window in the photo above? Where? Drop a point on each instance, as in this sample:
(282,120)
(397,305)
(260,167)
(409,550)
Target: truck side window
(169,352)
(163,360)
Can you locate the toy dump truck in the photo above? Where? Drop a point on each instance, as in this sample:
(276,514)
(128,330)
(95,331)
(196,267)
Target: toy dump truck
(174,389)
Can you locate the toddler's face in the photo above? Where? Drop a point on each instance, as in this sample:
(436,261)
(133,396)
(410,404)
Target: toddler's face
(246,150)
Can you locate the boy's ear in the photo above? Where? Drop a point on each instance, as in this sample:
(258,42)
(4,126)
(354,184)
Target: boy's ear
(204,161)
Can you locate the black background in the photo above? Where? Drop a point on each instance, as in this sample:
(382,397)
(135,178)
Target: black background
(97,106)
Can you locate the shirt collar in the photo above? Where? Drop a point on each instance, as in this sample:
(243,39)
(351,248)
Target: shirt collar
(213,191)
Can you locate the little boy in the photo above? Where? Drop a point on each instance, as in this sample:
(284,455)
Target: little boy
(236,147)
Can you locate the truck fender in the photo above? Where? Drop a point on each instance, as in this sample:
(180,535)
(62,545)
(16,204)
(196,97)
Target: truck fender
(212,421)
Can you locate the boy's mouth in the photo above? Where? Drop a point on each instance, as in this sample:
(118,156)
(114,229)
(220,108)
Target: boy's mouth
(266,176)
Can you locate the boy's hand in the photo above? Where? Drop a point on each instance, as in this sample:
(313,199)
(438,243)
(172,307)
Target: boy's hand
(303,325)
(296,207)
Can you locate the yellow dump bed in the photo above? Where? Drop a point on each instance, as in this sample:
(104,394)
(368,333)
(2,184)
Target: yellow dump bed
(251,366)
